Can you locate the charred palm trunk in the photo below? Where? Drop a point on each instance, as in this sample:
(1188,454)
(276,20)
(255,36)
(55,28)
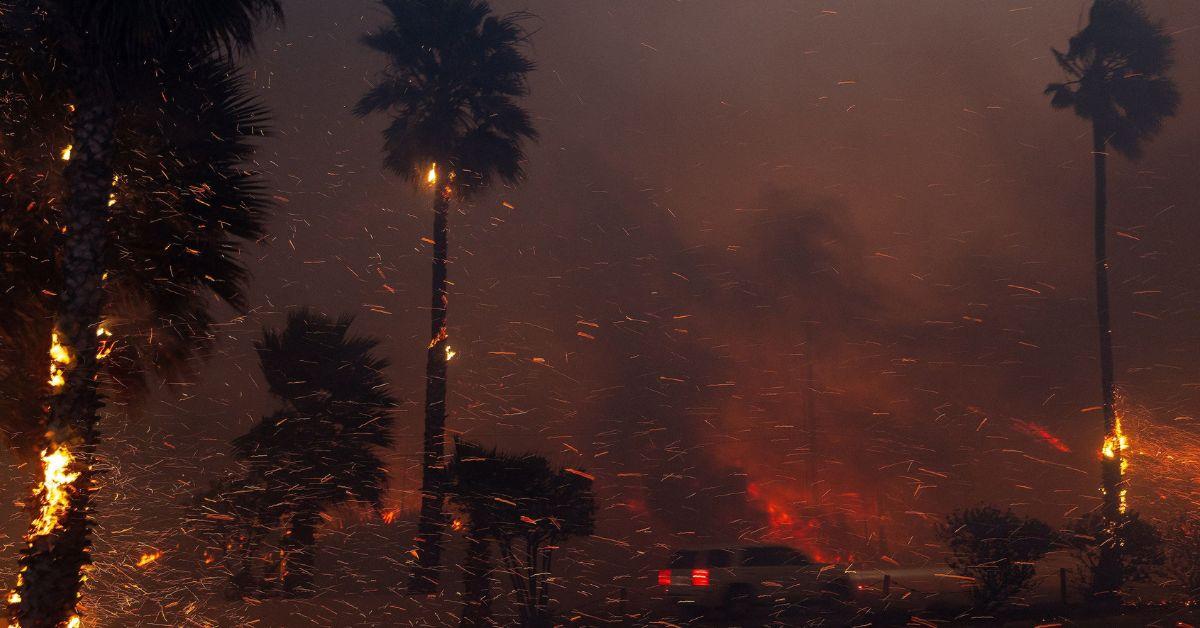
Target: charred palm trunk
(300,553)
(477,589)
(1108,577)
(50,579)
(432,524)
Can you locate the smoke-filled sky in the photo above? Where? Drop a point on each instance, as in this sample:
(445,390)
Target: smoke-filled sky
(727,198)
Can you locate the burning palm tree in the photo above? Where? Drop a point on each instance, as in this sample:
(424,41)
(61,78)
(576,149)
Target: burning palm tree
(182,207)
(1116,69)
(451,86)
(104,45)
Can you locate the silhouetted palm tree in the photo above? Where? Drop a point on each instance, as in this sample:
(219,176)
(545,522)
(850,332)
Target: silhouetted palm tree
(1116,69)
(322,448)
(183,205)
(104,45)
(527,509)
(451,86)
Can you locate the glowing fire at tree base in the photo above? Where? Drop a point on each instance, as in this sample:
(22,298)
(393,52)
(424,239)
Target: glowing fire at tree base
(60,507)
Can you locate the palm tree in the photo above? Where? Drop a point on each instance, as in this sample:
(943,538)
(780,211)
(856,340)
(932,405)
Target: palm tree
(1116,69)
(451,86)
(527,509)
(183,204)
(321,448)
(104,44)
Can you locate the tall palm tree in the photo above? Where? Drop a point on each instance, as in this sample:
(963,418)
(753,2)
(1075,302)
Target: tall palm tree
(1116,69)
(103,44)
(454,74)
(322,448)
(183,205)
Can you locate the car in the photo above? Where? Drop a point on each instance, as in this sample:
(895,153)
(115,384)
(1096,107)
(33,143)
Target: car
(737,578)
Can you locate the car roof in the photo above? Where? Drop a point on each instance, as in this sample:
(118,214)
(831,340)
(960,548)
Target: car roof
(734,548)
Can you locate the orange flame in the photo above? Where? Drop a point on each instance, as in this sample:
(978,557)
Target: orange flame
(1114,443)
(147,559)
(54,489)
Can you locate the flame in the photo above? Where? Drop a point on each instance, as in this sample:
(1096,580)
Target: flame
(457,525)
(65,155)
(450,353)
(795,523)
(106,345)
(54,489)
(147,559)
(53,494)
(60,357)
(432,176)
(389,516)
(442,335)
(1118,443)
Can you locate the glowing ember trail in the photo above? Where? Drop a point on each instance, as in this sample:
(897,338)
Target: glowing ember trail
(1033,429)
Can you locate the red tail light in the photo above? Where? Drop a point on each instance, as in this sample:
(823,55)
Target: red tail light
(664,577)
(699,577)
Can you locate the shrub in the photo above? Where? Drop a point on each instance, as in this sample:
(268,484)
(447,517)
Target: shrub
(997,549)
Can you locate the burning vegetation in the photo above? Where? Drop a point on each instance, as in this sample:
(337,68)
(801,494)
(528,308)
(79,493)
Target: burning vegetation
(812,303)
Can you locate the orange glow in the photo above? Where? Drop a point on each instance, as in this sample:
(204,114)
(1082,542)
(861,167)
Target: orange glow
(60,357)
(1118,443)
(59,474)
(457,525)
(791,520)
(54,491)
(389,516)
(432,176)
(441,336)
(147,559)
(106,344)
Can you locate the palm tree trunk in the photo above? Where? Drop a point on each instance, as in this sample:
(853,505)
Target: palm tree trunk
(1108,577)
(516,577)
(432,524)
(51,566)
(476,582)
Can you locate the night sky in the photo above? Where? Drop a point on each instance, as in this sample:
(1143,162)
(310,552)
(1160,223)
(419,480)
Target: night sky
(727,197)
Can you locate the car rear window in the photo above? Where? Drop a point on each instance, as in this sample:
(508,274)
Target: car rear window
(720,558)
(683,560)
(772,557)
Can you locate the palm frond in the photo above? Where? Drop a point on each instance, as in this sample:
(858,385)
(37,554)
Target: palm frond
(1117,65)
(454,74)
